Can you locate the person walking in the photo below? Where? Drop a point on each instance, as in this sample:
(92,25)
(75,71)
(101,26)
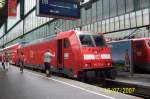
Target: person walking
(47,61)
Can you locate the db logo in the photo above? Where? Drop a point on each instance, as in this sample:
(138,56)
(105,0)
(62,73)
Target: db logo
(31,54)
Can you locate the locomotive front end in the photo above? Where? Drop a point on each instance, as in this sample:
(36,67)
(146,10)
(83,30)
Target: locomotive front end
(96,55)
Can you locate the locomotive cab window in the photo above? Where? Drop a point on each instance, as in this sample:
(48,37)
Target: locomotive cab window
(138,45)
(86,40)
(66,43)
(99,40)
(92,40)
(148,43)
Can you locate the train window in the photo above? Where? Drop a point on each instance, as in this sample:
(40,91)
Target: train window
(86,40)
(99,40)
(66,43)
(139,45)
(148,43)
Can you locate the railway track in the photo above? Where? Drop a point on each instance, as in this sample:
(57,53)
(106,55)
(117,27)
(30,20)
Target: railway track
(139,90)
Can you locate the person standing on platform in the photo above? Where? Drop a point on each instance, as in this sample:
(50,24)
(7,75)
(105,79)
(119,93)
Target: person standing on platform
(6,61)
(21,61)
(127,61)
(3,62)
(47,62)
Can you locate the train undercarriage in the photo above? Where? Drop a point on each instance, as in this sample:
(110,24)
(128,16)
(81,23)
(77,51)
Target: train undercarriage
(97,74)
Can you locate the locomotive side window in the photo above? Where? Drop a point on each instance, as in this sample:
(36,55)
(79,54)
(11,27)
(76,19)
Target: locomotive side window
(86,40)
(99,40)
(66,43)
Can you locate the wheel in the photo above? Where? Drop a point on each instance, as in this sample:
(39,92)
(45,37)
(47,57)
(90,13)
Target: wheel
(82,76)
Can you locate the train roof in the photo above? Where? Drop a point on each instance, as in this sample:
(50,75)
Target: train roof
(88,33)
(11,46)
(70,32)
(60,35)
(120,40)
(40,40)
(146,38)
(135,39)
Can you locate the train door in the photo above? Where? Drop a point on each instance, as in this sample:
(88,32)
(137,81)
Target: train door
(60,53)
(68,56)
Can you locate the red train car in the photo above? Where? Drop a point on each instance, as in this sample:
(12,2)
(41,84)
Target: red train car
(138,52)
(0,58)
(1,52)
(12,52)
(77,53)
(141,53)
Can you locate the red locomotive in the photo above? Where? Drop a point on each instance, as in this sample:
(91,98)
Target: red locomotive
(77,54)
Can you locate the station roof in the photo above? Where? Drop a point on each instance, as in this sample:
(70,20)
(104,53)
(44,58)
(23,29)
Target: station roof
(4,14)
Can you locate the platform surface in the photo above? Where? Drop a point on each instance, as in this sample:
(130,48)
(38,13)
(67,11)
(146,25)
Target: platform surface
(32,85)
(137,79)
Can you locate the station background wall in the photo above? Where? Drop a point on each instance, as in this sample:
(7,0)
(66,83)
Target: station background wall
(116,18)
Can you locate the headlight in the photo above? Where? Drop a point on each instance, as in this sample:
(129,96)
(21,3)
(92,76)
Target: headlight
(89,57)
(87,65)
(108,64)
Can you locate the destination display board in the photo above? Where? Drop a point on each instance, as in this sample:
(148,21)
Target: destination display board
(65,9)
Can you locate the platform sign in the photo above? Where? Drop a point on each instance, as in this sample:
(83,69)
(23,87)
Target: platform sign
(58,9)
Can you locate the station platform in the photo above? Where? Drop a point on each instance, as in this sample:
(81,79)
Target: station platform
(33,85)
(141,83)
(138,79)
